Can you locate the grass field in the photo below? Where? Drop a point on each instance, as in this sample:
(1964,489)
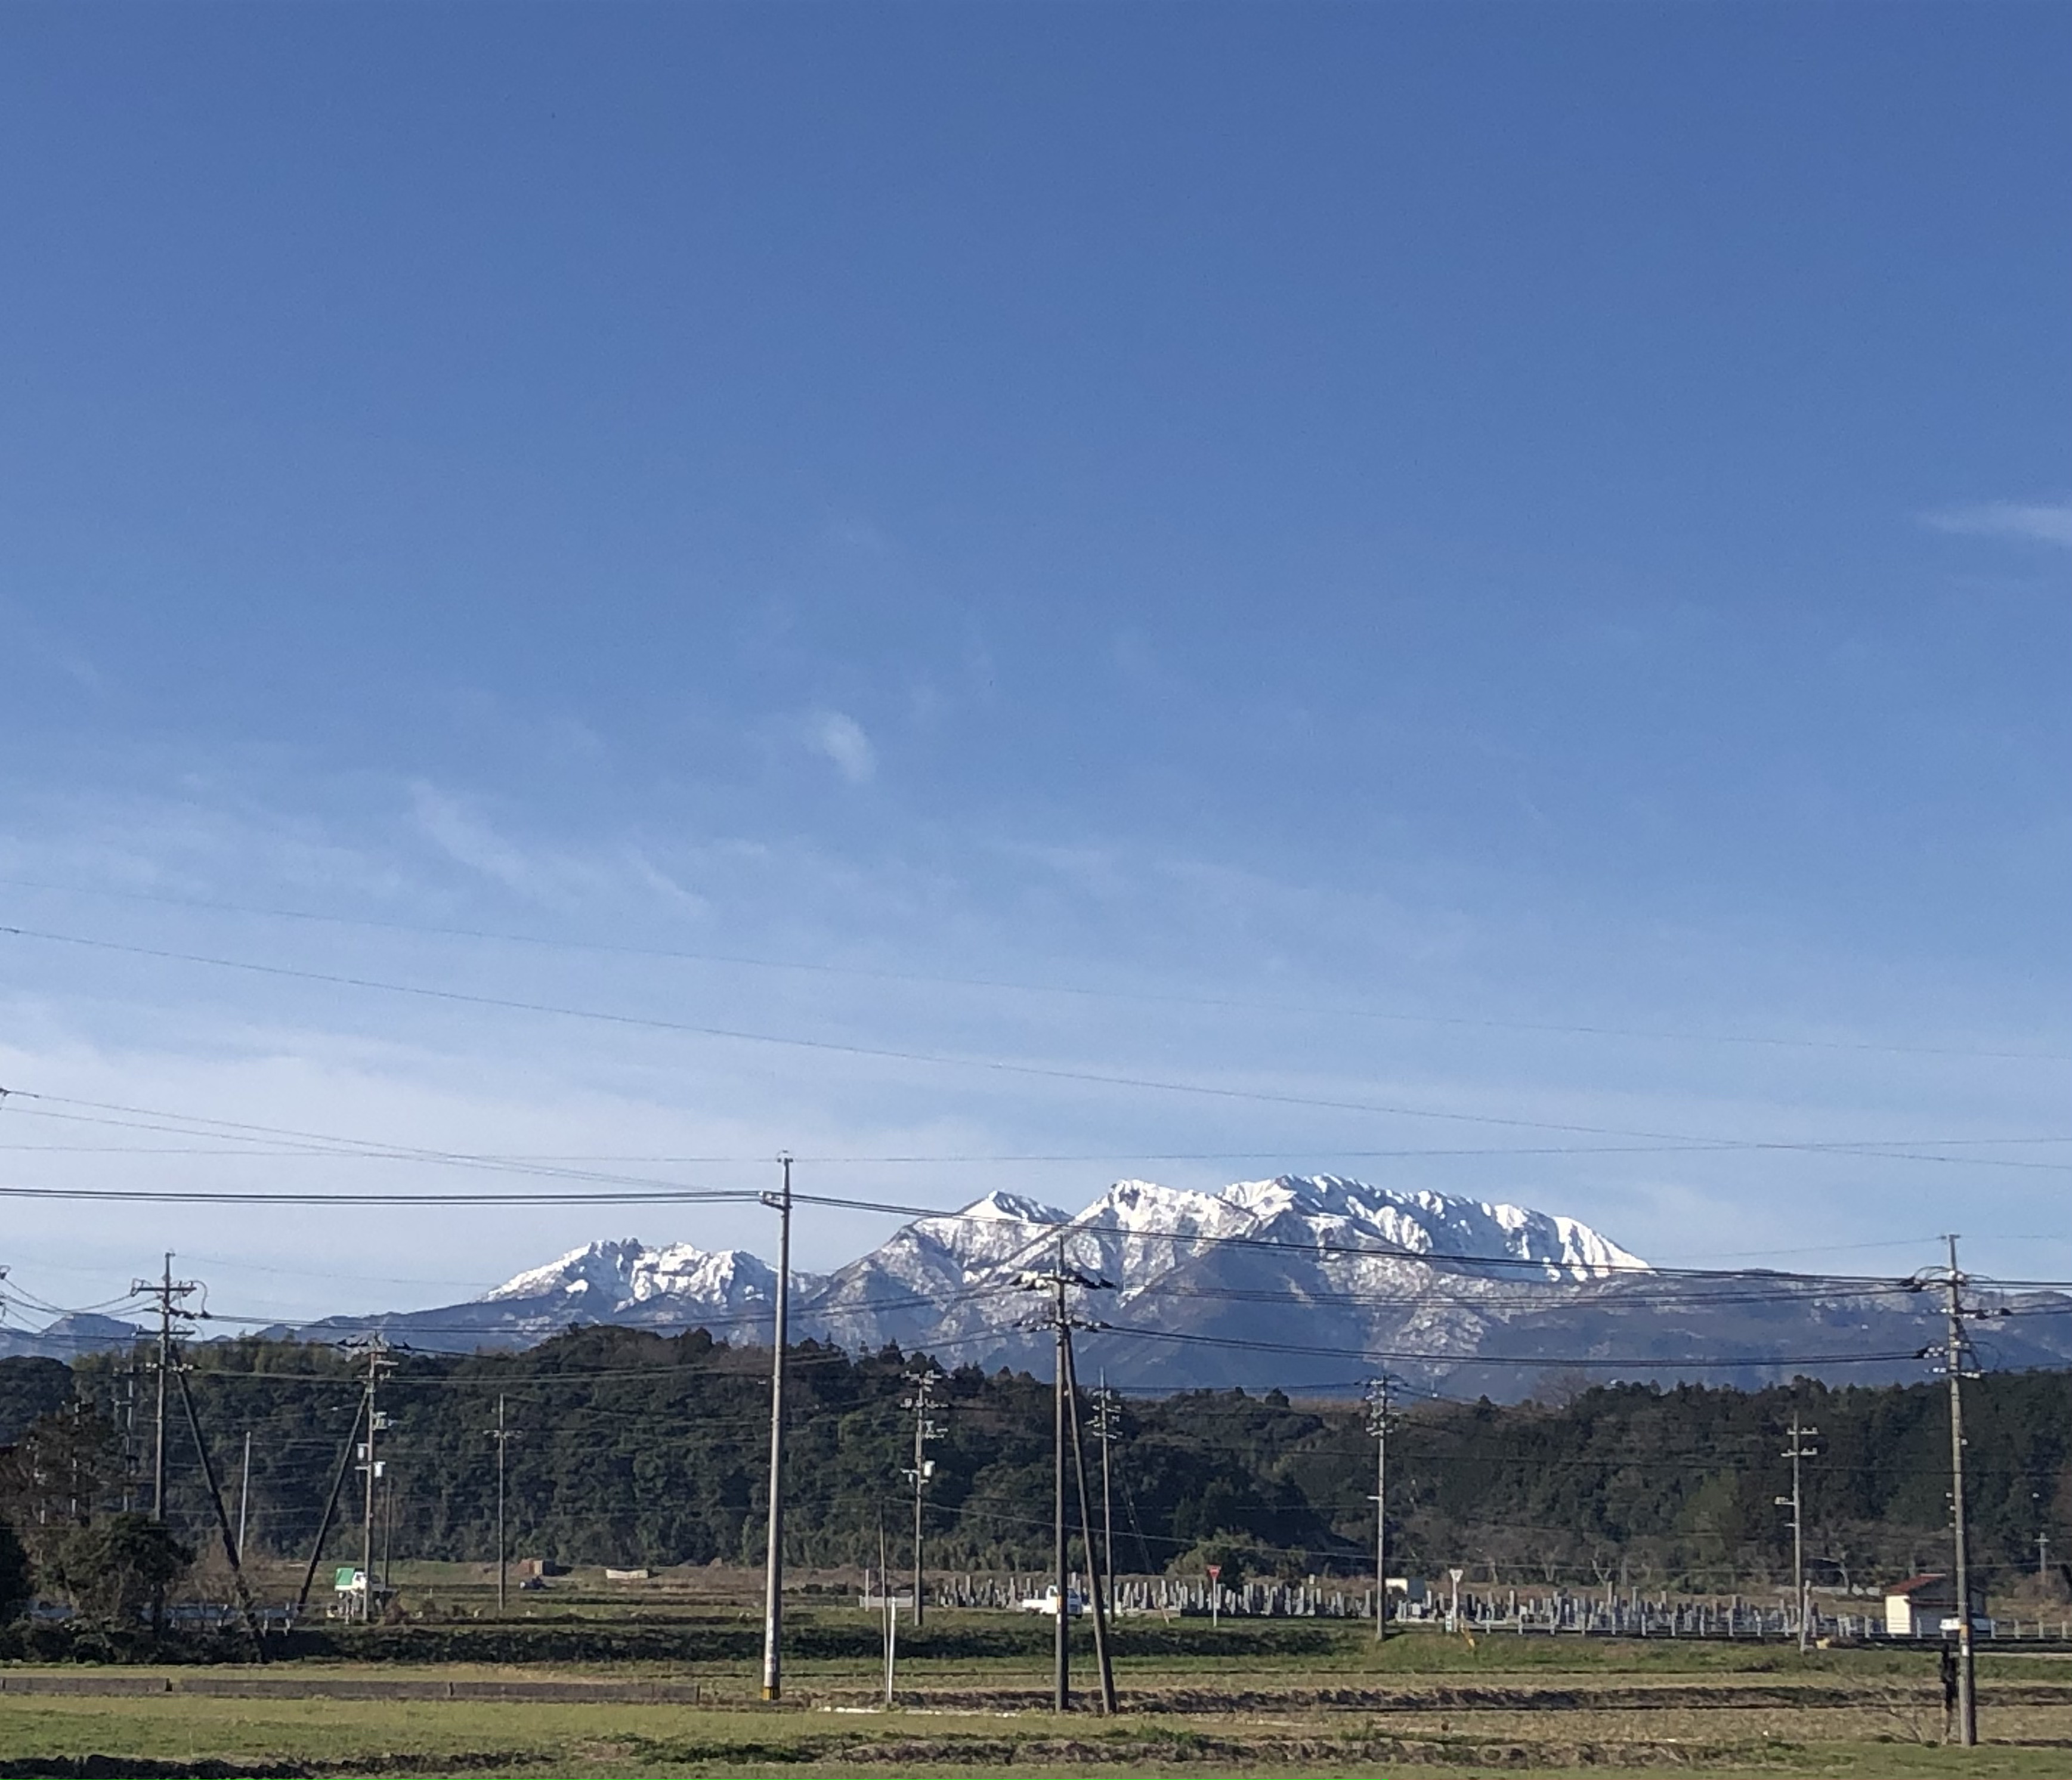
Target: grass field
(1245,1699)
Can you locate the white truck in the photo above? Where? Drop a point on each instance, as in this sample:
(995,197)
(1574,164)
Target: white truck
(1047,1603)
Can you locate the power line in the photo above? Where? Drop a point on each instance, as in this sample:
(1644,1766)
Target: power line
(933,1060)
(1146,998)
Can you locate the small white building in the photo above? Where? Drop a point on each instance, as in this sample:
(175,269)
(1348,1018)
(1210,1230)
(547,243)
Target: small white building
(1917,1607)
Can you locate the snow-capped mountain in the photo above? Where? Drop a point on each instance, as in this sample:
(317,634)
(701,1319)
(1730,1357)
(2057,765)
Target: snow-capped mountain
(628,1282)
(1302,1281)
(728,1292)
(1261,1254)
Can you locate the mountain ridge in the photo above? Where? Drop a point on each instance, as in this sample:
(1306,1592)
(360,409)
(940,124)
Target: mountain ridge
(1298,1280)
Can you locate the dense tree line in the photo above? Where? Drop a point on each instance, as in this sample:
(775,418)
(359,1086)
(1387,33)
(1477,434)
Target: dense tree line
(638,1449)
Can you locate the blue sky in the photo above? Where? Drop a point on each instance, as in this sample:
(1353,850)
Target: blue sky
(1501,517)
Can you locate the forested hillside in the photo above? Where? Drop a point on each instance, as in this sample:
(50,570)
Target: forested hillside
(637,1448)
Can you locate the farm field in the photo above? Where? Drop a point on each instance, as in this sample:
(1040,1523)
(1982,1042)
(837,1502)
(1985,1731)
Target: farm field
(1244,1698)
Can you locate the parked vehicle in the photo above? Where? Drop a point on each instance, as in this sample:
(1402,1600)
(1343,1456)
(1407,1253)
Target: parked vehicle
(1047,1603)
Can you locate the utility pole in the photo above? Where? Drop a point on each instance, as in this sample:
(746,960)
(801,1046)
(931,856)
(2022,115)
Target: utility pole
(1797,1451)
(1108,1416)
(1379,1418)
(379,1360)
(2043,1554)
(1957,1357)
(244,1491)
(773,1567)
(1061,1650)
(169,1292)
(1060,1321)
(1101,1656)
(1958,1362)
(888,1611)
(129,1460)
(502,1434)
(925,1382)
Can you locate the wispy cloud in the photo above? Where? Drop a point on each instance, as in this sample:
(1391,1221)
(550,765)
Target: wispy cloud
(841,739)
(467,838)
(2035,522)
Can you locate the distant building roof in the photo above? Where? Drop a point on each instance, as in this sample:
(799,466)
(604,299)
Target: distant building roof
(1914,1584)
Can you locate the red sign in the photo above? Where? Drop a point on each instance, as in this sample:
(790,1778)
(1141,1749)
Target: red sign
(1215,1570)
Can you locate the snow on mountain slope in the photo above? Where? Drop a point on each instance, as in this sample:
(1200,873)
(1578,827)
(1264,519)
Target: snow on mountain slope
(1306,1282)
(1257,1252)
(617,1277)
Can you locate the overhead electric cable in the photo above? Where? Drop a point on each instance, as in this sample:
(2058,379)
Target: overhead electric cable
(1147,997)
(932,1059)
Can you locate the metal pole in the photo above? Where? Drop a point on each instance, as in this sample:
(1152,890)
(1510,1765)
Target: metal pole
(1967,1699)
(773,1568)
(1062,1650)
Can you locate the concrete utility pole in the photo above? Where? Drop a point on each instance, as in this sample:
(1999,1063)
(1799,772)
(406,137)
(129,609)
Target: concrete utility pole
(169,1292)
(230,1549)
(1797,1452)
(244,1491)
(1958,1359)
(925,1383)
(1107,1426)
(1094,1594)
(1060,1321)
(379,1360)
(773,1565)
(503,1433)
(1380,1417)
(888,1609)
(1060,1685)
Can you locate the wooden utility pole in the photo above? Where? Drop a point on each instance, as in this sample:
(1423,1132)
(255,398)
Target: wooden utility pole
(773,1566)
